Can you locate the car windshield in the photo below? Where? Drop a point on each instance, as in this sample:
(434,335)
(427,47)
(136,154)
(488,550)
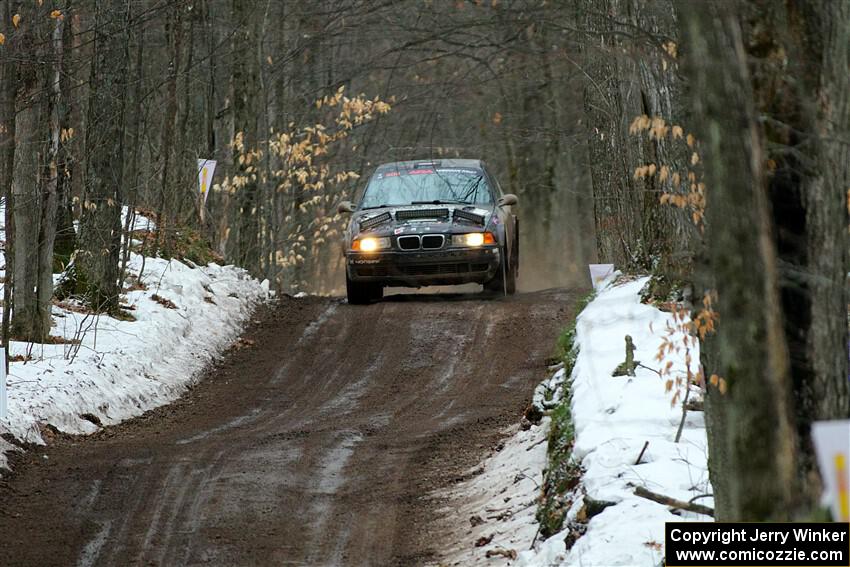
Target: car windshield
(426,185)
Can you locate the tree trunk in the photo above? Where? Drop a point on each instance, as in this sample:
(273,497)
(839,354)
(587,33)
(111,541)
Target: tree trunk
(96,262)
(245,94)
(752,441)
(27,323)
(66,235)
(47,233)
(131,173)
(806,102)
(7,158)
(27,213)
(173,31)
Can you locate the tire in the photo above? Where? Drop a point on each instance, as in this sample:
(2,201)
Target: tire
(505,279)
(361,293)
(510,286)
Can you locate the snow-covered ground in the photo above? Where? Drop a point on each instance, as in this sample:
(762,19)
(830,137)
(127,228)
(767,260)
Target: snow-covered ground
(121,369)
(499,504)
(613,417)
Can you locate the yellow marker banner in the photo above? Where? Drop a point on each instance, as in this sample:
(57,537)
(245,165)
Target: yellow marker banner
(843,477)
(832,447)
(206,170)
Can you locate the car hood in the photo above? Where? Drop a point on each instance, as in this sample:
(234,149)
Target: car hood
(422,219)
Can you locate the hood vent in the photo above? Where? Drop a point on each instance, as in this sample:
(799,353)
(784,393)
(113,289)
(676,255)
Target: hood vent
(422,214)
(375,221)
(467,216)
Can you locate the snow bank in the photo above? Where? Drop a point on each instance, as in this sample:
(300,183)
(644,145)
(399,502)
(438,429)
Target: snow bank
(498,505)
(613,418)
(121,369)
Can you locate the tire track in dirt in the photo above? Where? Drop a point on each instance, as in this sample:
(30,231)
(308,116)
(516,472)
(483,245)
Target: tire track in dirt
(321,444)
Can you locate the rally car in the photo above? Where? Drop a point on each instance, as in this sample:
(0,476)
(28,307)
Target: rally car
(431,222)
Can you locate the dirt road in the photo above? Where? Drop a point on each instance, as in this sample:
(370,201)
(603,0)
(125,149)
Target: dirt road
(318,442)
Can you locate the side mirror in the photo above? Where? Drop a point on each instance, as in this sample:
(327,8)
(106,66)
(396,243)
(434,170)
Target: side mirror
(345,207)
(507,200)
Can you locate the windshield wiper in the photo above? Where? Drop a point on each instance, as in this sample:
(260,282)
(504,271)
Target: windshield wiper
(440,202)
(375,207)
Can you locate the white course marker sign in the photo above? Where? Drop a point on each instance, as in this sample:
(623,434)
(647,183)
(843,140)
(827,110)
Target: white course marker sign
(206,170)
(832,446)
(598,273)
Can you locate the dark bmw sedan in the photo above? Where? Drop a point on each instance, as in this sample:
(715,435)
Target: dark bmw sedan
(434,222)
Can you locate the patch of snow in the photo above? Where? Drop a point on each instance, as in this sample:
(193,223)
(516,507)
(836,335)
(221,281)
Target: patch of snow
(121,369)
(550,392)
(140,221)
(503,497)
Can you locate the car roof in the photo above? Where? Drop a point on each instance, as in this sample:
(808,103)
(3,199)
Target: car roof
(413,164)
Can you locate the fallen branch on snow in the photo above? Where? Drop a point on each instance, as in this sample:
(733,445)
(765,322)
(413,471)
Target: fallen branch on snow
(677,504)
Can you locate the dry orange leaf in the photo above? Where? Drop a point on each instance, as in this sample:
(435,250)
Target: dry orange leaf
(2,39)
(56,14)
(16,19)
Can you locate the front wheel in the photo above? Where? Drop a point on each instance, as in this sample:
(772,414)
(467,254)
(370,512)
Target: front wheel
(505,279)
(361,293)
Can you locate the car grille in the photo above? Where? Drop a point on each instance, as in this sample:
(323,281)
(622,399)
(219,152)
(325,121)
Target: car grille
(433,241)
(410,242)
(372,271)
(438,269)
(422,269)
(425,242)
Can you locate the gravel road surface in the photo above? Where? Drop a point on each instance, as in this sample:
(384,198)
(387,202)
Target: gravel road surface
(318,440)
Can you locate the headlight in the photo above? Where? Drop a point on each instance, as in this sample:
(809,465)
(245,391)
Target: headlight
(370,244)
(473,239)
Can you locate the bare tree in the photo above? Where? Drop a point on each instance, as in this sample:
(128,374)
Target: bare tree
(96,260)
(776,175)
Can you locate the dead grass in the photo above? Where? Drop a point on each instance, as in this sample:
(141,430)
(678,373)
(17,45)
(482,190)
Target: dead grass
(167,303)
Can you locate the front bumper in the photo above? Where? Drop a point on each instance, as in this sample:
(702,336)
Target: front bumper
(420,268)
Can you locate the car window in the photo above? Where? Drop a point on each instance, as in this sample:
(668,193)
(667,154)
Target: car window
(425,185)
